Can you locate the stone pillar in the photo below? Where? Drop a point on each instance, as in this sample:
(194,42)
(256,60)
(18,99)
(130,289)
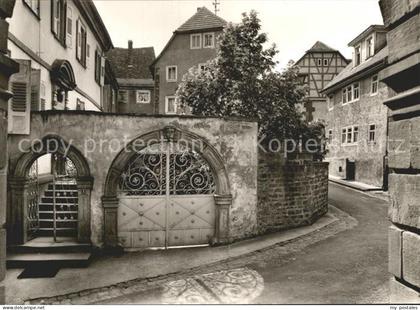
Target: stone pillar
(16,227)
(402,20)
(7,68)
(110,205)
(223,203)
(84,188)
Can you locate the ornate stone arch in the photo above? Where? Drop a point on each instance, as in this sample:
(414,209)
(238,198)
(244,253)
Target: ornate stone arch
(223,197)
(19,179)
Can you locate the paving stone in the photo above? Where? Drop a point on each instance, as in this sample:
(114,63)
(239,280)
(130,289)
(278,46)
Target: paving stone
(402,294)
(394,250)
(411,258)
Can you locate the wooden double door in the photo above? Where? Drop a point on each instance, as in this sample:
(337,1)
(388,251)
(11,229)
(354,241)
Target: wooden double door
(166,199)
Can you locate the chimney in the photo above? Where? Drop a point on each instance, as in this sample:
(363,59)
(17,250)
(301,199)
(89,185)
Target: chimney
(130,44)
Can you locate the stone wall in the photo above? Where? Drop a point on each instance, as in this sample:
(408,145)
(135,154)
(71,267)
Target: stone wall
(368,156)
(234,140)
(290,193)
(8,67)
(402,18)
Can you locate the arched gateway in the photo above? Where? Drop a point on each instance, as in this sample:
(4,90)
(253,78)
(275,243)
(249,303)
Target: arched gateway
(167,188)
(24,214)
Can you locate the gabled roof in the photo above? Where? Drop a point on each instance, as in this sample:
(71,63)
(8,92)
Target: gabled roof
(131,63)
(88,9)
(202,20)
(320,47)
(367,32)
(350,73)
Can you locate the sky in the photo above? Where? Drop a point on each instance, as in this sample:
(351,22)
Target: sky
(293,25)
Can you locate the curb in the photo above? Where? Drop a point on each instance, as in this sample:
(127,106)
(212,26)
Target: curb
(334,216)
(365,192)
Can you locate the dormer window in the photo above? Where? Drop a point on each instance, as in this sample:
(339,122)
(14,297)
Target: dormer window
(369,47)
(357,55)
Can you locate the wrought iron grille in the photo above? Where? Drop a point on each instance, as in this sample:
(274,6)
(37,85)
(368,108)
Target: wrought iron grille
(33,200)
(148,172)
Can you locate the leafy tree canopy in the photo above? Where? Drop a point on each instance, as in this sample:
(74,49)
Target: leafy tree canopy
(242,81)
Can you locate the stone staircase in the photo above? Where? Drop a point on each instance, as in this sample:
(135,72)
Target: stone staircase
(65,251)
(66,203)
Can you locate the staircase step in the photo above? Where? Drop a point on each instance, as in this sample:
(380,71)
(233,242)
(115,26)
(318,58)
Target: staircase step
(47,245)
(58,212)
(75,260)
(63,186)
(59,199)
(58,220)
(58,204)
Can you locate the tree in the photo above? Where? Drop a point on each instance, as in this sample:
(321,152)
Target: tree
(242,81)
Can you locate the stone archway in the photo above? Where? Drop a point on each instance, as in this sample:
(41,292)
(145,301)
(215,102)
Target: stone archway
(19,180)
(222,196)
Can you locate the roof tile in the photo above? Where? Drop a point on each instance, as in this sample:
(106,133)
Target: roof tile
(132,63)
(203,19)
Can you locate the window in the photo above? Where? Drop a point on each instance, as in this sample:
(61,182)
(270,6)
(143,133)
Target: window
(195,41)
(374,85)
(171,74)
(349,138)
(355,134)
(330,103)
(80,105)
(143,96)
(319,62)
(357,56)
(170,105)
(208,40)
(58,21)
(325,62)
(344,96)
(351,93)
(372,133)
(123,96)
(201,67)
(69,34)
(350,135)
(98,63)
(369,47)
(343,135)
(356,91)
(330,135)
(81,43)
(33,5)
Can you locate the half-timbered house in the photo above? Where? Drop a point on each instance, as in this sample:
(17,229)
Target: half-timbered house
(317,68)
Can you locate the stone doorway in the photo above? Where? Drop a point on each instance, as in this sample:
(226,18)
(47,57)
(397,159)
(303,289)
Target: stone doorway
(166,199)
(59,205)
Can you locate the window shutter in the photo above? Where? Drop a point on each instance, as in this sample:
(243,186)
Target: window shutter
(19,107)
(78,41)
(102,71)
(35,89)
(54,16)
(69,34)
(87,55)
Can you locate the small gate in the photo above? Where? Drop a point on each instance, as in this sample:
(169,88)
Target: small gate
(32,212)
(166,199)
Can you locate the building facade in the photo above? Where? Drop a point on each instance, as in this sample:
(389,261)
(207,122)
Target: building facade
(356,119)
(136,85)
(192,44)
(402,19)
(60,46)
(317,68)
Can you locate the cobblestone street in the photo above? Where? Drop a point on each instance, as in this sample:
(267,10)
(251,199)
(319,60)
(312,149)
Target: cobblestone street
(321,267)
